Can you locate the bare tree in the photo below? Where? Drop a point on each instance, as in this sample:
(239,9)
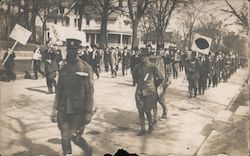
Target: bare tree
(83,9)
(105,8)
(146,27)
(46,6)
(241,15)
(190,15)
(137,9)
(160,12)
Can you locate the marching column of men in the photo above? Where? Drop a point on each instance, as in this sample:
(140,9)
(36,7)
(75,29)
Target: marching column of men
(73,106)
(202,70)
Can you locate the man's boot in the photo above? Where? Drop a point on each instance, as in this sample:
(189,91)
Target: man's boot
(50,90)
(150,127)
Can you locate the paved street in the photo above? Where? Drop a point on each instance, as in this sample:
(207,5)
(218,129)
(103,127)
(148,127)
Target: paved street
(26,128)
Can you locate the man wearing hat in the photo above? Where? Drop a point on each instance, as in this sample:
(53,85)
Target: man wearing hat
(147,77)
(94,58)
(193,74)
(73,104)
(51,67)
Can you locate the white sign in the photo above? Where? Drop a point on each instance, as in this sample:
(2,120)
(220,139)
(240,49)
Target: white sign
(61,33)
(20,34)
(201,44)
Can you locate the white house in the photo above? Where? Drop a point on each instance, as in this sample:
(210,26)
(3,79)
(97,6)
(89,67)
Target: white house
(60,27)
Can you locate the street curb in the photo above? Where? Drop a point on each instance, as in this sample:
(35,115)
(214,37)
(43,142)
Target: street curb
(228,107)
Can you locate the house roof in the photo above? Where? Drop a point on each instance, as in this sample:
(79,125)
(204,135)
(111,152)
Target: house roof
(152,36)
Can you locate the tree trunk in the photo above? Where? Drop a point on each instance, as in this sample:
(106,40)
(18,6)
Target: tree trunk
(189,39)
(104,35)
(26,14)
(160,37)
(33,26)
(134,35)
(44,31)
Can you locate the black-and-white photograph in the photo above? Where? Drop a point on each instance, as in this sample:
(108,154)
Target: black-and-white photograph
(124,78)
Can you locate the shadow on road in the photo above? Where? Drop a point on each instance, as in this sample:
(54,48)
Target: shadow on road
(125,84)
(33,148)
(123,120)
(37,89)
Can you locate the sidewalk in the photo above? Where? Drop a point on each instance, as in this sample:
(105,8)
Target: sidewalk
(26,127)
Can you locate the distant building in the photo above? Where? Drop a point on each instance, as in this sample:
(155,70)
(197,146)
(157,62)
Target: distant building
(151,38)
(118,29)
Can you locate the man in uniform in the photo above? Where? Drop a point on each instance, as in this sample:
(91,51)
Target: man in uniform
(147,77)
(134,60)
(73,105)
(193,74)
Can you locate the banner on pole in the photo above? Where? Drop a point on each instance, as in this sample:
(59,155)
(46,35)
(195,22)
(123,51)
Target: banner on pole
(20,34)
(61,33)
(201,44)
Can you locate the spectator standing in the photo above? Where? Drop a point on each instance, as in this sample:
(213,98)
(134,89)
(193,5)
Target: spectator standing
(9,58)
(37,62)
(125,61)
(51,67)
(134,60)
(107,58)
(94,58)
(176,62)
(113,61)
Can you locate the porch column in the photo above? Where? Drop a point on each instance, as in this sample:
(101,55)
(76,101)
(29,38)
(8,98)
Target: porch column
(121,41)
(95,38)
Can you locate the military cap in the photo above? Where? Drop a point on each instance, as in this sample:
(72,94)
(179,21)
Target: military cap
(144,52)
(73,43)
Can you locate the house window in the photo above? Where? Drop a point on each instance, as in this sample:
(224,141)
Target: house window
(87,37)
(87,21)
(55,21)
(113,38)
(153,42)
(61,10)
(78,21)
(75,22)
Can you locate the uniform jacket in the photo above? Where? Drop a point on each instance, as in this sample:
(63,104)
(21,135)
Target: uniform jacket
(75,88)
(148,78)
(193,69)
(134,60)
(50,68)
(94,58)
(126,59)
